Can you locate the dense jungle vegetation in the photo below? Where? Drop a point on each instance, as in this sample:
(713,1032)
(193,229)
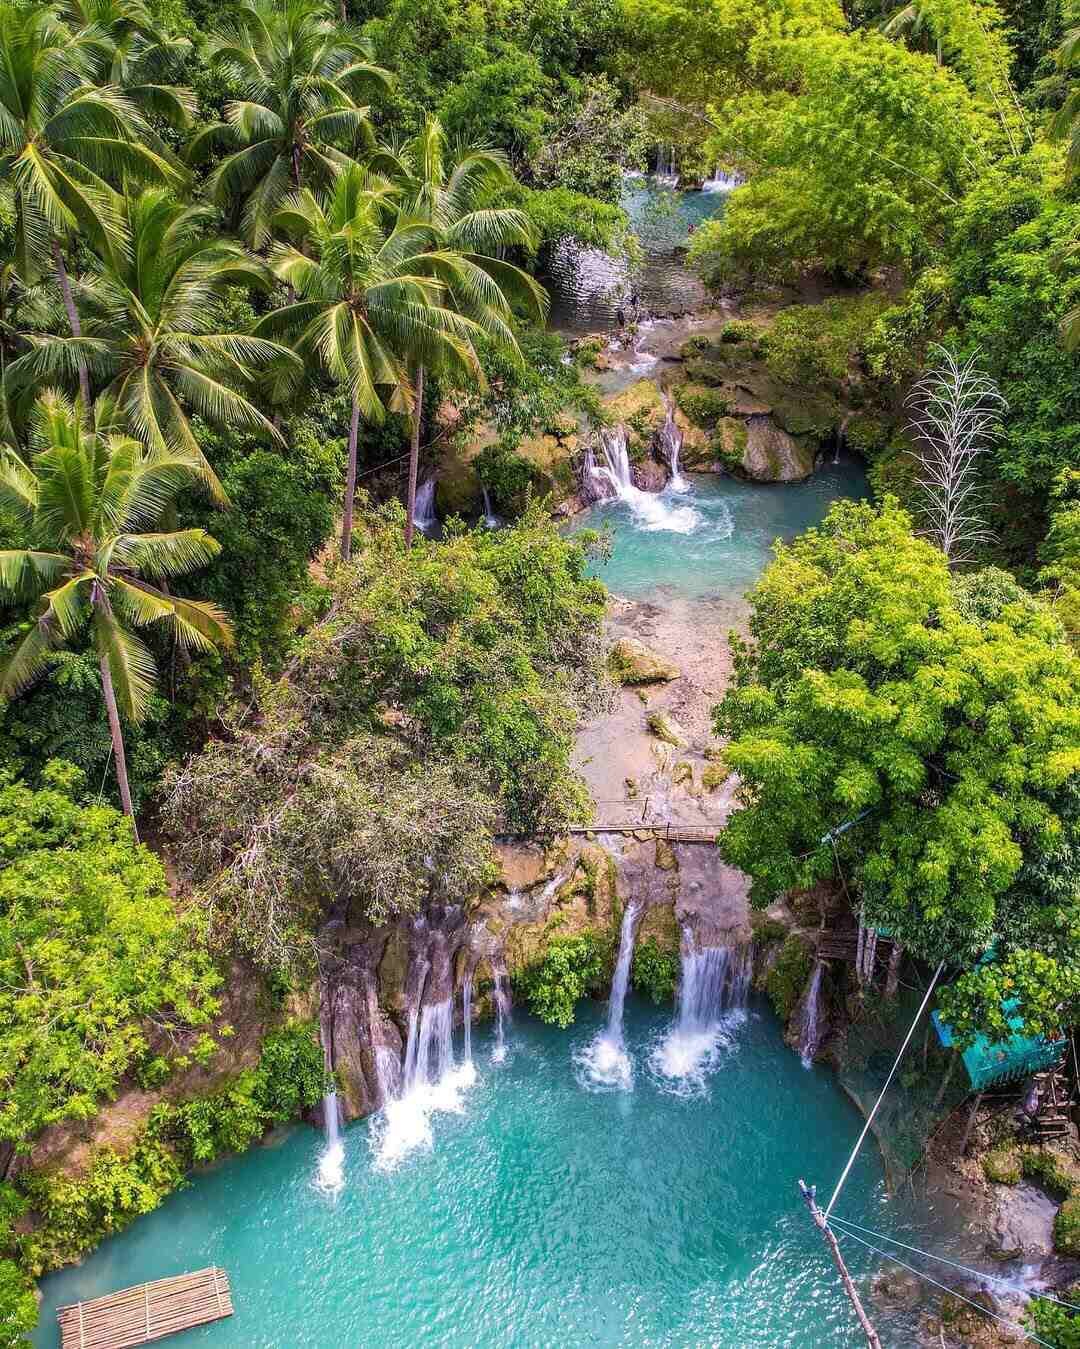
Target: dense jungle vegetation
(262,262)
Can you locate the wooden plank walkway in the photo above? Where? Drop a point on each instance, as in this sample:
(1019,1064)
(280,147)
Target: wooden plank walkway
(673,833)
(146,1312)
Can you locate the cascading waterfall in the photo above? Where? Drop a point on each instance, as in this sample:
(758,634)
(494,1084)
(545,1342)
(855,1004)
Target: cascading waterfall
(490,518)
(666,170)
(721,181)
(424,517)
(501,999)
(714,983)
(810,1035)
(604,1063)
(614,481)
(331,1175)
(466,1014)
(387,1073)
(671,445)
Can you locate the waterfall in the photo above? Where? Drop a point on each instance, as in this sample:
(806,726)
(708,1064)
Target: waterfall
(490,518)
(331,1176)
(614,481)
(714,983)
(387,1073)
(721,181)
(604,1063)
(810,1036)
(666,170)
(466,1015)
(501,999)
(424,517)
(671,445)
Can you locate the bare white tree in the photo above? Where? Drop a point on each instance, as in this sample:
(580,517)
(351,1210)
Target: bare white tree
(957,412)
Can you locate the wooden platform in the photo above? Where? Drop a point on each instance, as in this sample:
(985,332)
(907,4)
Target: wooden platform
(147,1312)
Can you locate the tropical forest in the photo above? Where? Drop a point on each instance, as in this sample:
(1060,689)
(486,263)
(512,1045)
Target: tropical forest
(540,673)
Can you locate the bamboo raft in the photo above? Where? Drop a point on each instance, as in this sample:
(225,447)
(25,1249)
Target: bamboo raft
(146,1312)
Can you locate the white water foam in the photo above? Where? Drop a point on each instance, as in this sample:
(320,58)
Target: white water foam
(330,1177)
(603,1064)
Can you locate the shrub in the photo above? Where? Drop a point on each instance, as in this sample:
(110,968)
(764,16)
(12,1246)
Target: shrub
(655,972)
(704,407)
(787,978)
(1002,1166)
(506,475)
(1067,1227)
(738,330)
(1053,1324)
(569,968)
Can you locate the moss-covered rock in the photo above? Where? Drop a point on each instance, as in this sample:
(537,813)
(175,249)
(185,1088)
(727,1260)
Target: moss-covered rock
(667,729)
(713,775)
(1002,1166)
(632,662)
(787,978)
(1067,1227)
(665,856)
(772,455)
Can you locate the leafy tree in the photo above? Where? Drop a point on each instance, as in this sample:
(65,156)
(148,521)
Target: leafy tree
(158,334)
(570,968)
(367,302)
(88,504)
(63,141)
(99,973)
(591,142)
(453,192)
(840,174)
(901,733)
(301,72)
(502,101)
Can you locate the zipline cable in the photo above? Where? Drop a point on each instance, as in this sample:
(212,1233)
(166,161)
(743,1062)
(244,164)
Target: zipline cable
(941,1259)
(884,1089)
(1028,1334)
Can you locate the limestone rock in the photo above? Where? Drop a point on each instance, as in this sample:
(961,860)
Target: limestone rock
(522,865)
(665,856)
(632,662)
(667,729)
(772,455)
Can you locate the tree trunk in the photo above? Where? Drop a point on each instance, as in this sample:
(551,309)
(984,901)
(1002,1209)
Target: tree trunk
(76,326)
(414,456)
(892,978)
(350,482)
(117,741)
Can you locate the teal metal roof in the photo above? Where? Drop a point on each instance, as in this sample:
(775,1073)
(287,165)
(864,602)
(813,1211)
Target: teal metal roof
(990,1061)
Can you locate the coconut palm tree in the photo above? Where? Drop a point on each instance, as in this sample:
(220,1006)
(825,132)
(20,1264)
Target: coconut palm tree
(302,73)
(452,189)
(157,333)
(366,302)
(63,142)
(1065,124)
(90,504)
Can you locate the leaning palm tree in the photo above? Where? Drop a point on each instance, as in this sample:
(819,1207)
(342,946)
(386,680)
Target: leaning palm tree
(302,73)
(366,301)
(89,505)
(157,333)
(1065,124)
(454,190)
(63,142)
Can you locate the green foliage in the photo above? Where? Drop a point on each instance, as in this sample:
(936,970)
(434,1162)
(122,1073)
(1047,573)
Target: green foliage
(787,977)
(1002,1166)
(479,654)
(505,474)
(592,141)
(816,345)
(655,971)
(559,213)
(870,695)
(735,330)
(1067,1227)
(18,1306)
(1053,1324)
(91,949)
(842,175)
(570,968)
(76,1212)
(704,407)
(502,100)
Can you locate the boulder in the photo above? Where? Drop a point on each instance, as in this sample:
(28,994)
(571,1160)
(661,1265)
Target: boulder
(632,662)
(772,455)
(667,729)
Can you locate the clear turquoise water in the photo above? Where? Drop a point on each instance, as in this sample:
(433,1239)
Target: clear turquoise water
(545,1215)
(729,539)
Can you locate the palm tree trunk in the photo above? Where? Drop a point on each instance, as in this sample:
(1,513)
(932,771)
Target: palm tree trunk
(350,482)
(117,742)
(76,326)
(414,456)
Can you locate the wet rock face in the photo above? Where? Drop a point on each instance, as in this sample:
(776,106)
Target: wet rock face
(1023,1223)
(772,455)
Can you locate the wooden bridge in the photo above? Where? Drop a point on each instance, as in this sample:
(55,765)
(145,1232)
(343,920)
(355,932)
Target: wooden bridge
(672,833)
(146,1312)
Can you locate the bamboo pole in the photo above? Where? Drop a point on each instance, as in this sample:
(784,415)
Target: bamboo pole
(809,1193)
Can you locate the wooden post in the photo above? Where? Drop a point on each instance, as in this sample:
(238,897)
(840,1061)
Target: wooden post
(809,1193)
(970,1123)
